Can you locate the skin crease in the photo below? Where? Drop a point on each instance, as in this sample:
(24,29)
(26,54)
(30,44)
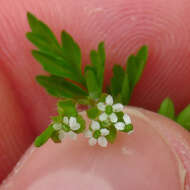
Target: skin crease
(124,25)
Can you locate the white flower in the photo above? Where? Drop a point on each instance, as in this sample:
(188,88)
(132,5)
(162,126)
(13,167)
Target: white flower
(102,141)
(73,124)
(72,135)
(95,125)
(109,100)
(104,116)
(61,135)
(66,120)
(104,132)
(88,134)
(127,119)
(113,118)
(92,141)
(57,126)
(117,107)
(120,125)
(101,106)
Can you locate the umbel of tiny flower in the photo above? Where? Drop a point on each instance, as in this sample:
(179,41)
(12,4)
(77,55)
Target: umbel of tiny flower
(96,134)
(67,128)
(109,113)
(107,122)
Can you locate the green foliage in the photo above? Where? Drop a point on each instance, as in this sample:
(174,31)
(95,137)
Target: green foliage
(92,113)
(67,108)
(45,135)
(61,88)
(92,83)
(128,128)
(62,61)
(123,82)
(135,66)
(184,118)
(94,72)
(82,124)
(125,95)
(112,135)
(167,108)
(118,75)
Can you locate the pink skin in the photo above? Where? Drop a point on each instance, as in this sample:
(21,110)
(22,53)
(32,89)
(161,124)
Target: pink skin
(124,25)
(149,158)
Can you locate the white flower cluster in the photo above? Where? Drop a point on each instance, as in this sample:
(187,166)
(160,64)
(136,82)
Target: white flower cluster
(101,140)
(109,111)
(72,125)
(97,132)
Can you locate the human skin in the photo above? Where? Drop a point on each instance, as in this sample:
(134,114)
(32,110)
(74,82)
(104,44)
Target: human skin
(124,25)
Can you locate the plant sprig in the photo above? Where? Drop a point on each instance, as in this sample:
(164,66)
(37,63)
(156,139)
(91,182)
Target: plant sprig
(67,81)
(167,109)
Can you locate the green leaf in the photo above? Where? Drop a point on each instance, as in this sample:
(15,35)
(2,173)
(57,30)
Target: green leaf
(125,93)
(92,83)
(128,128)
(96,134)
(118,75)
(82,124)
(98,61)
(43,138)
(135,66)
(167,108)
(42,36)
(67,108)
(59,87)
(132,70)
(112,135)
(55,137)
(184,118)
(93,112)
(123,82)
(61,61)
(72,53)
(56,66)
(94,73)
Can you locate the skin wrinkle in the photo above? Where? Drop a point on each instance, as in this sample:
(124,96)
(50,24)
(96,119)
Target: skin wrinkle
(14,139)
(182,169)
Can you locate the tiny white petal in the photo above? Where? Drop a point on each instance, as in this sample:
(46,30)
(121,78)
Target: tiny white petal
(57,126)
(109,100)
(66,120)
(102,141)
(101,106)
(75,127)
(117,107)
(92,141)
(72,135)
(61,135)
(120,126)
(127,119)
(88,134)
(130,132)
(103,117)
(72,121)
(95,125)
(113,118)
(104,132)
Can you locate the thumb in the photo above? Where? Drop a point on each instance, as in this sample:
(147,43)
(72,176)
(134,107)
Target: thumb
(156,156)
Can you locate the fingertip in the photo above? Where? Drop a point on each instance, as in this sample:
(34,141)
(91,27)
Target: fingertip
(136,161)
